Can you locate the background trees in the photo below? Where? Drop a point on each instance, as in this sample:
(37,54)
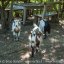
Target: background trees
(56,5)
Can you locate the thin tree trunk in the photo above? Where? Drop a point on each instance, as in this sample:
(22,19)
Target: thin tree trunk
(11,11)
(44,11)
(3,18)
(2,15)
(41,8)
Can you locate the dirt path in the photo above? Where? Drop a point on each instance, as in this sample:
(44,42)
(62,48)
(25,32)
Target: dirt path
(52,48)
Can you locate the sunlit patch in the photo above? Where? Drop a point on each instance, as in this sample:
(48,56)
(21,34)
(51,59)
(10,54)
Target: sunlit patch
(26,45)
(43,51)
(32,17)
(61,21)
(53,59)
(34,9)
(50,18)
(0,26)
(8,38)
(53,51)
(57,31)
(53,40)
(57,46)
(45,57)
(25,56)
(26,32)
(62,26)
(61,61)
(62,35)
(27,62)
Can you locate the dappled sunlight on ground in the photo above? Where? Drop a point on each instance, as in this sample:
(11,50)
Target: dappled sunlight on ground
(53,51)
(57,46)
(53,40)
(62,35)
(52,48)
(61,22)
(57,31)
(43,51)
(45,57)
(25,56)
(26,32)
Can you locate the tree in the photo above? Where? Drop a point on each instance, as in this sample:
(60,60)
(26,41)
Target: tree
(4,4)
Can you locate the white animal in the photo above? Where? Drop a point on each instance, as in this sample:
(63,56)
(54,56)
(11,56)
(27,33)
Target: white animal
(32,36)
(16,28)
(45,27)
(35,38)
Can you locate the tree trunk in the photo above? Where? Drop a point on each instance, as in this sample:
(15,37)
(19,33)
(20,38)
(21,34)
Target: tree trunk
(2,15)
(44,11)
(11,11)
(3,18)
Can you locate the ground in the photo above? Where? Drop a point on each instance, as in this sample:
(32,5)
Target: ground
(17,52)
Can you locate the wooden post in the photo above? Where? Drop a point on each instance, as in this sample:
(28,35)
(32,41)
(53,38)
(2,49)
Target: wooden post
(44,11)
(24,16)
(2,15)
(11,11)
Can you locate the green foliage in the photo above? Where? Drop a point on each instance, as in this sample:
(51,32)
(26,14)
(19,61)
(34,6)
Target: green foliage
(0,3)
